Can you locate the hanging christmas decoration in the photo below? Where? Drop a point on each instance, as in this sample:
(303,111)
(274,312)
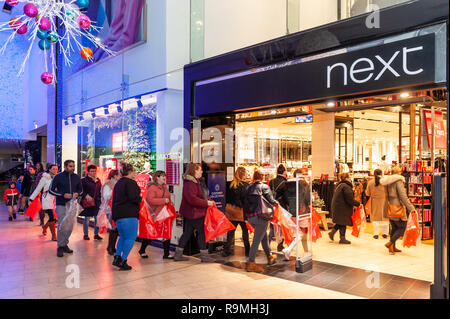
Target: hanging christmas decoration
(42,19)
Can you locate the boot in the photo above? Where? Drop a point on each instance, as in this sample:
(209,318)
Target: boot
(10,219)
(344,241)
(14,216)
(66,249)
(280,246)
(205,258)
(252,267)
(112,239)
(60,252)
(117,261)
(247,251)
(395,249)
(179,255)
(97,237)
(41,217)
(390,245)
(124,265)
(331,234)
(272,259)
(44,228)
(52,230)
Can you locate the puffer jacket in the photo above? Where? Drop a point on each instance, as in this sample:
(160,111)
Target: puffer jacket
(47,199)
(397,193)
(342,204)
(193,203)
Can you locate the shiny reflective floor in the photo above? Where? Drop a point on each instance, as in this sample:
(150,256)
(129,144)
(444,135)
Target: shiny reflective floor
(29,268)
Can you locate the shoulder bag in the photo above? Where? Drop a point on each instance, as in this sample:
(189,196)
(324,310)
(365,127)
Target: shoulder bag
(266,210)
(394,211)
(86,203)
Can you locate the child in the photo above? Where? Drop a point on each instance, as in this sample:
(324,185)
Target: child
(11,198)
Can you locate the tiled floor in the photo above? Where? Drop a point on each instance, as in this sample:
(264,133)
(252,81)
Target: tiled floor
(29,268)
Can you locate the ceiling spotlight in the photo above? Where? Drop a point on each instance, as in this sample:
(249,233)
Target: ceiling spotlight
(93,115)
(106,110)
(330,104)
(119,109)
(74,121)
(80,117)
(66,122)
(404,94)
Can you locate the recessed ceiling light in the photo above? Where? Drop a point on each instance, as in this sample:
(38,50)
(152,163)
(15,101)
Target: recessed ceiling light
(330,104)
(404,94)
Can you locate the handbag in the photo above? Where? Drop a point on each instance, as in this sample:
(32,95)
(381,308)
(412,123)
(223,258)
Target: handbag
(394,211)
(266,209)
(234,212)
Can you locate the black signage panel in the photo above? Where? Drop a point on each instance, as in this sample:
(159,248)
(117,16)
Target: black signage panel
(401,63)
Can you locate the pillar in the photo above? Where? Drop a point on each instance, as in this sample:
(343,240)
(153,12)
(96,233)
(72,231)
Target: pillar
(323,144)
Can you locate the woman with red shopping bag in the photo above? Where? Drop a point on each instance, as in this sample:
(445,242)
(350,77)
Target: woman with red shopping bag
(398,206)
(342,207)
(48,200)
(259,202)
(193,208)
(158,196)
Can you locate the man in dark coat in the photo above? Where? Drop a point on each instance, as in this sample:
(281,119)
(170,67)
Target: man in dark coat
(278,187)
(92,188)
(342,207)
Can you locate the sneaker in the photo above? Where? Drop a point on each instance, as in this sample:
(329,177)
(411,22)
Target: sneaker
(86,237)
(97,237)
(344,241)
(124,265)
(385,236)
(117,261)
(271,260)
(375,236)
(167,257)
(287,254)
(60,252)
(66,249)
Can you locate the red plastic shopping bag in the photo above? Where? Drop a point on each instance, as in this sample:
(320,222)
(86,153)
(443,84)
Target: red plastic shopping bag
(250,228)
(367,207)
(412,232)
(164,221)
(357,222)
(147,226)
(216,223)
(287,225)
(316,234)
(34,208)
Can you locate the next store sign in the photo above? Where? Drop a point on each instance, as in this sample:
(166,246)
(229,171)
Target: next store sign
(391,65)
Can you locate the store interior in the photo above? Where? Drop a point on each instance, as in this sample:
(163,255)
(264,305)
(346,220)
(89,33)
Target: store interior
(364,135)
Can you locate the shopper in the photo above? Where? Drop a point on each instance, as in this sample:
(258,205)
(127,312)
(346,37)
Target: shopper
(39,172)
(342,207)
(47,199)
(304,203)
(125,213)
(279,191)
(377,193)
(396,196)
(193,208)
(234,210)
(157,197)
(91,200)
(19,183)
(107,192)
(65,186)
(11,197)
(252,211)
(27,186)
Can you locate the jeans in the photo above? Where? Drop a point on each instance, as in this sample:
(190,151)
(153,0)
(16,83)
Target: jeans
(260,236)
(63,232)
(398,228)
(190,225)
(230,236)
(86,225)
(128,228)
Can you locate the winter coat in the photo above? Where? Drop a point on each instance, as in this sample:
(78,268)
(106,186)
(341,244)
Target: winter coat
(252,198)
(65,183)
(47,199)
(193,203)
(93,189)
(156,197)
(11,196)
(126,199)
(278,187)
(378,204)
(397,193)
(304,197)
(342,204)
(27,184)
(236,196)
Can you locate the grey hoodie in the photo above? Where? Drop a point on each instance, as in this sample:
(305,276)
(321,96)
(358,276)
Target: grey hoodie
(397,192)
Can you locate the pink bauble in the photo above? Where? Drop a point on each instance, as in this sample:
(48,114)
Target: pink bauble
(83,21)
(30,10)
(45,24)
(23,29)
(12,3)
(47,78)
